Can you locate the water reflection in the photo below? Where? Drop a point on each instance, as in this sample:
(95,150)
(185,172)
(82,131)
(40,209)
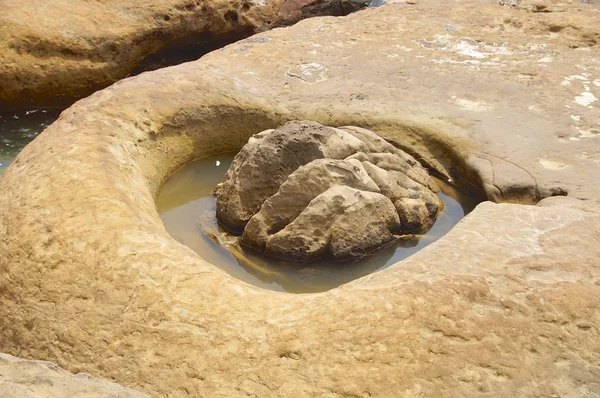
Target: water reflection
(188,212)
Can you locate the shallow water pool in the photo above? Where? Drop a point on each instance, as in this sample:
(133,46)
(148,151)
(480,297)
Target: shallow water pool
(187,209)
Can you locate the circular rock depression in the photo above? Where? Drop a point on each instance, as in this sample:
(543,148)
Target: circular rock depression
(92,280)
(189,192)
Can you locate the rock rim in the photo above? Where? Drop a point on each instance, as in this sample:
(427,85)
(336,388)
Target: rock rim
(91,279)
(52,54)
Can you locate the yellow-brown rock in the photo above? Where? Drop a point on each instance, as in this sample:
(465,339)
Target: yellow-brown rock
(56,52)
(506,304)
(283,190)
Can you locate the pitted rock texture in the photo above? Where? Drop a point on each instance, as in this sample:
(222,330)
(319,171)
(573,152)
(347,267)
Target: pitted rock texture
(22,378)
(506,304)
(281,189)
(54,53)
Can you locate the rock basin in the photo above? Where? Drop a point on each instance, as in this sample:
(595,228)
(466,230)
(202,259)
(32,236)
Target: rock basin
(92,280)
(189,192)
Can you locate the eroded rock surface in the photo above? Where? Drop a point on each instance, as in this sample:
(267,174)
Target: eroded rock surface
(345,221)
(282,190)
(506,304)
(22,378)
(268,159)
(55,53)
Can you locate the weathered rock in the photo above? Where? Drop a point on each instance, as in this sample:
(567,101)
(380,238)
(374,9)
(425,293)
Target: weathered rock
(252,199)
(343,221)
(266,162)
(415,214)
(22,378)
(506,304)
(294,195)
(388,157)
(395,163)
(364,227)
(55,53)
(408,196)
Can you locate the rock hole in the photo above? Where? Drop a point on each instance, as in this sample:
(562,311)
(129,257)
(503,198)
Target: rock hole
(558,192)
(231,16)
(187,48)
(556,28)
(295,355)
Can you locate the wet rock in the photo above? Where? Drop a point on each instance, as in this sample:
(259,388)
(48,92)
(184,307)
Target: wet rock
(274,190)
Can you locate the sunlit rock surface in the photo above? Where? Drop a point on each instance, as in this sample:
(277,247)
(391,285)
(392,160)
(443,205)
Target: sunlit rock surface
(21,378)
(53,53)
(281,189)
(505,304)
(343,221)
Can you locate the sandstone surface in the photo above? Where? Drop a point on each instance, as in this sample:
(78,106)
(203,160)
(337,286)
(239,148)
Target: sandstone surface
(53,53)
(342,221)
(506,304)
(297,192)
(20,378)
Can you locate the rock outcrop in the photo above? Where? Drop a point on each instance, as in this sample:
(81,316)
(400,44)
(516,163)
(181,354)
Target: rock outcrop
(22,378)
(506,304)
(53,53)
(281,191)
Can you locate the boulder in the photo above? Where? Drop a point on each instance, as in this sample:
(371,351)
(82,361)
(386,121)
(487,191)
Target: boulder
(55,53)
(345,222)
(294,195)
(266,162)
(274,179)
(416,206)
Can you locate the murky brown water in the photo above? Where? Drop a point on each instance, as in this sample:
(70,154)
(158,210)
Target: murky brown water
(17,129)
(186,197)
